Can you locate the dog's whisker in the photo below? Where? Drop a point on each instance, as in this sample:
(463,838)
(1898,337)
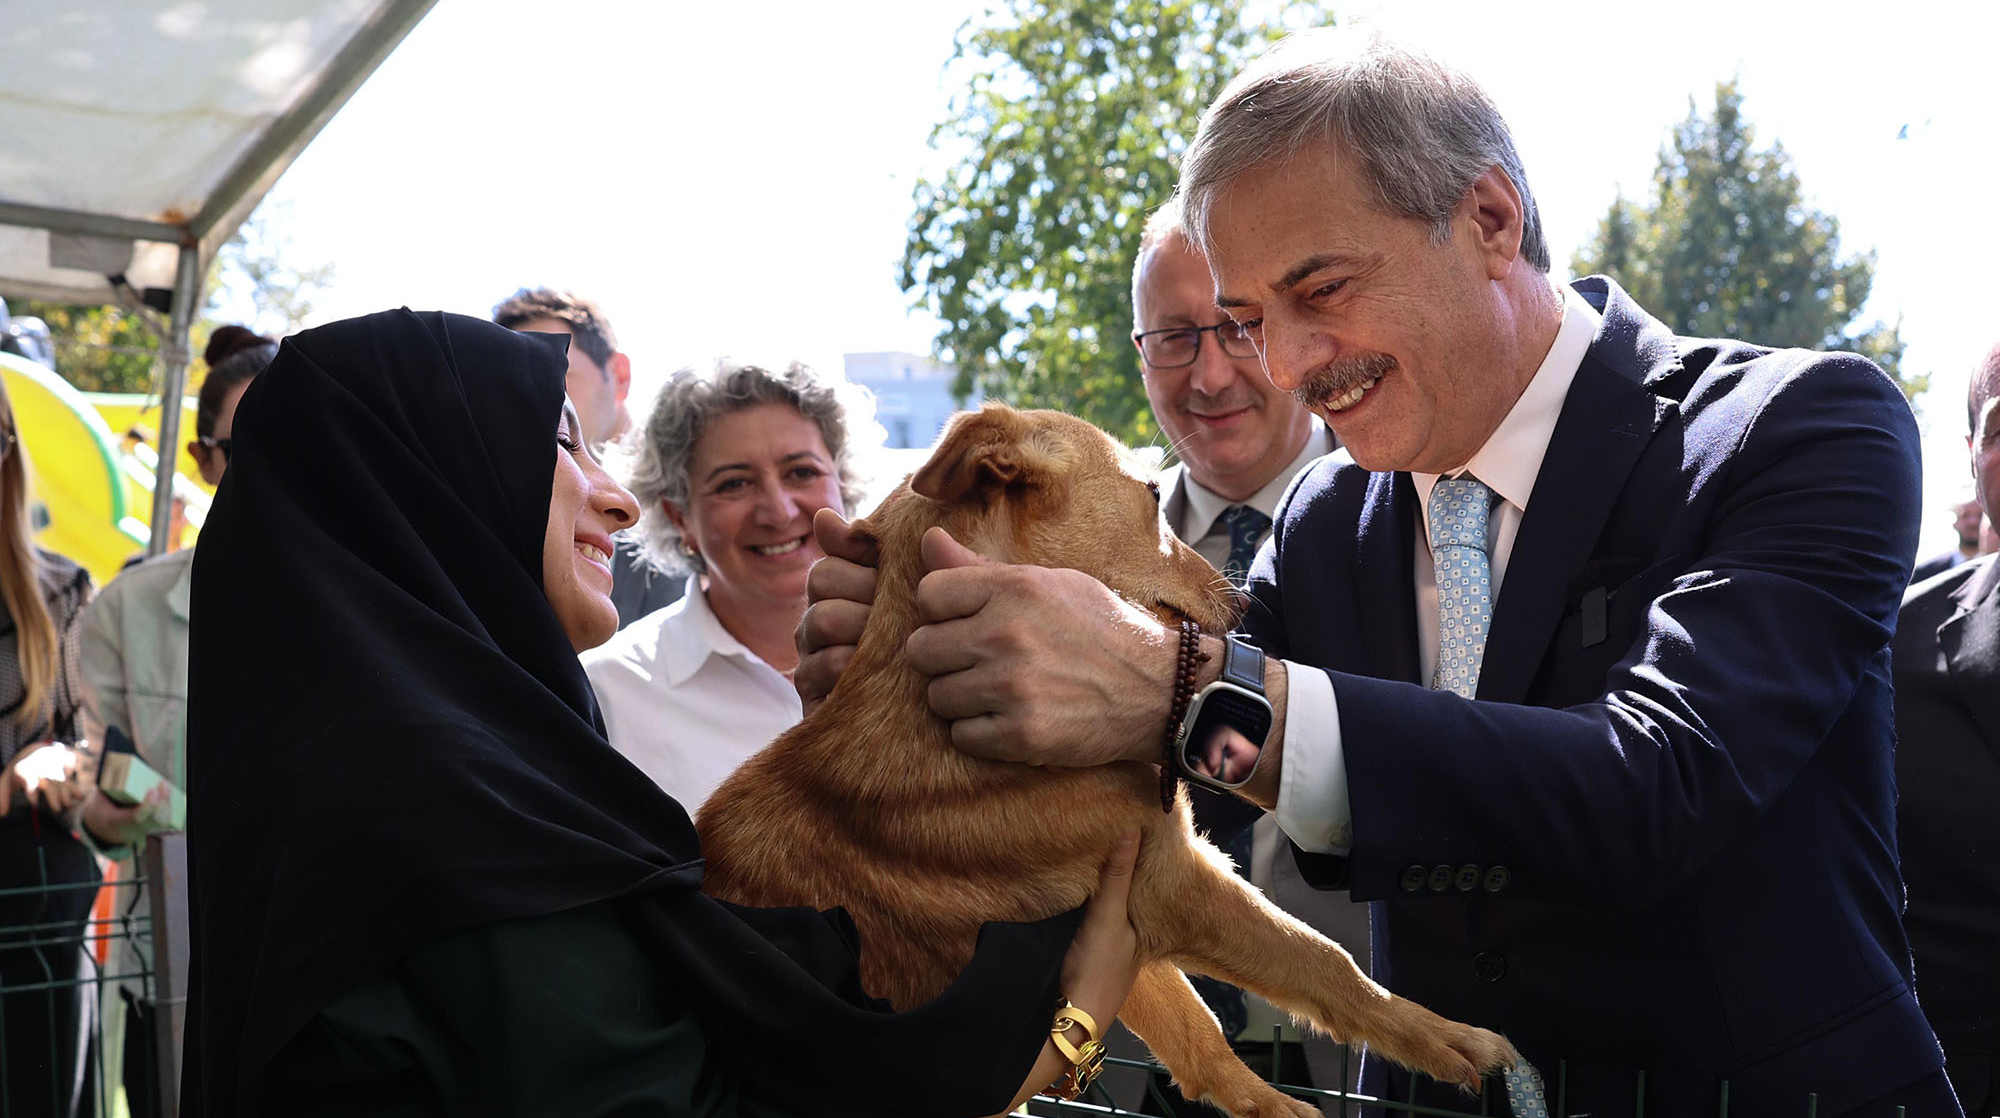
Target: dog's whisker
(1175,446)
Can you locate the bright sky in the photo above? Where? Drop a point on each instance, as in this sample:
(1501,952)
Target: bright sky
(737,177)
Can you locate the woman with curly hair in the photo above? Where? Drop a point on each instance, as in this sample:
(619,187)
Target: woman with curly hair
(733,462)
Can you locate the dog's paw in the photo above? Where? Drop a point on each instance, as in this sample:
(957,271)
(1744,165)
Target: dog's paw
(1257,1099)
(1445,1050)
(1465,1055)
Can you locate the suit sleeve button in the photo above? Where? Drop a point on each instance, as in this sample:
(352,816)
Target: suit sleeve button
(1440,878)
(1467,879)
(1413,879)
(1489,966)
(1496,879)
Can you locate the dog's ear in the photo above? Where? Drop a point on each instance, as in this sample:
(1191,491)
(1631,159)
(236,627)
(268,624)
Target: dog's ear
(983,452)
(865,528)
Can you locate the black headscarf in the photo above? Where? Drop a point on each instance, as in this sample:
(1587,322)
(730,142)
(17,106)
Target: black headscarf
(392,740)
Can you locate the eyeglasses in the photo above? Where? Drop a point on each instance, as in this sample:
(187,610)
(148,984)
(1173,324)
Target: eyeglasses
(210,442)
(1180,345)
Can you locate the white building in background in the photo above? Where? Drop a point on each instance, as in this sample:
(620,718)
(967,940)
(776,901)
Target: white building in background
(912,395)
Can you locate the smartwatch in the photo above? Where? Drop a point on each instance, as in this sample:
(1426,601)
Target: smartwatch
(1234,702)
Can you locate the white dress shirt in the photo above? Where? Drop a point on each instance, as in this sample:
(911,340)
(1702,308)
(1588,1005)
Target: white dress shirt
(1312,795)
(1201,508)
(685,701)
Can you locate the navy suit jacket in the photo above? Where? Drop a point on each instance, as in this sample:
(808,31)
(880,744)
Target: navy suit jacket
(1664,837)
(1947,656)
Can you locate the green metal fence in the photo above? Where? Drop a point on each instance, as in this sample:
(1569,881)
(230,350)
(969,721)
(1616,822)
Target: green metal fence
(1160,1098)
(75,953)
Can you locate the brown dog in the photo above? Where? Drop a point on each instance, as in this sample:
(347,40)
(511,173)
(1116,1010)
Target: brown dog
(939,850)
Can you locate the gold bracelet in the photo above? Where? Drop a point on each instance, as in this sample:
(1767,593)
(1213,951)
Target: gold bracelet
(1085,1061)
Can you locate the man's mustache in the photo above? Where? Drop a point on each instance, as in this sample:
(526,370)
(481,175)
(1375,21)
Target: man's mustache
(1340,376)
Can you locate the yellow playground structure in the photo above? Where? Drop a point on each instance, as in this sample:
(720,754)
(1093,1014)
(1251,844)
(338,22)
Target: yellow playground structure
(92,462)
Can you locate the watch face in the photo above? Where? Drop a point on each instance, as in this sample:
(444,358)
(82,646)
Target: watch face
(1224,736)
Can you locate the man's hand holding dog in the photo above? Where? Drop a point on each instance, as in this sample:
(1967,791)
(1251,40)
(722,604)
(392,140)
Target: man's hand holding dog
(1038,665)
(1028,663)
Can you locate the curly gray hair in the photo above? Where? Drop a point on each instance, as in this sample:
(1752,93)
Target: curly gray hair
(695,397)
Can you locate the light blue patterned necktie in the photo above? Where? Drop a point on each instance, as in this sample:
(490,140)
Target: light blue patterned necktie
(1458,515)
(1457,518)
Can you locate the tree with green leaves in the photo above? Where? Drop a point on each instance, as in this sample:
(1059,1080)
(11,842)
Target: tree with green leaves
(1728,248)
(1069,130)
(116,349)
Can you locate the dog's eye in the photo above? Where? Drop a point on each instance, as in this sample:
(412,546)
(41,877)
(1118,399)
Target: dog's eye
(1153,487)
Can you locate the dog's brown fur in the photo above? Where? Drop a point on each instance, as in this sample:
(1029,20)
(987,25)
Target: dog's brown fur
(866,805)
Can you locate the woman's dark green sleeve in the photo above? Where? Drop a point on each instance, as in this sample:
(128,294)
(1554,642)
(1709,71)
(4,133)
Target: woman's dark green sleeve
(561,1014)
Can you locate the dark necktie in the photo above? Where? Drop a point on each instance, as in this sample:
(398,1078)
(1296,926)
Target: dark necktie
(1247,529)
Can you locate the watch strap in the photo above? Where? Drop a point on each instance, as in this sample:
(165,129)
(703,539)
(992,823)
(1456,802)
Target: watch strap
(1243,664)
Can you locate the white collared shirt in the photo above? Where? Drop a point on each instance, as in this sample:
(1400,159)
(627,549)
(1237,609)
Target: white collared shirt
(685,701)
(1312,797)
(1202,507)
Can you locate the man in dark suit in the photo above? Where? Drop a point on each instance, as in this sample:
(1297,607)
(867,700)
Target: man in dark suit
(1947,657)
(1968,520)
(1580,667)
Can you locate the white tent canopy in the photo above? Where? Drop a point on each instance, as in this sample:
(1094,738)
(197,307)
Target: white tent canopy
(136,135)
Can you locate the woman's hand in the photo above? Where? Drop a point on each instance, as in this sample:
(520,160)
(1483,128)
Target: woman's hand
(839,591)
(112,824)
(1102,963)
(46,773)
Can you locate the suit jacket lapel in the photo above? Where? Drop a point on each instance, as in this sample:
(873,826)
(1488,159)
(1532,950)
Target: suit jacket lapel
(1387,535)
(1173,498)
(1607,420)
(1970,643)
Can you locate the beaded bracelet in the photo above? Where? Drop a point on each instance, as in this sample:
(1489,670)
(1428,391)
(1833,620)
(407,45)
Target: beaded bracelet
(1186,669)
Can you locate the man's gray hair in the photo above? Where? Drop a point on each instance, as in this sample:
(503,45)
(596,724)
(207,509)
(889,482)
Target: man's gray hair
(695,397)
(1421,130)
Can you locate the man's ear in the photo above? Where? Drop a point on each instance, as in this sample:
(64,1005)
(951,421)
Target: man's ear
(620,371)
(1499,218)
(984,453)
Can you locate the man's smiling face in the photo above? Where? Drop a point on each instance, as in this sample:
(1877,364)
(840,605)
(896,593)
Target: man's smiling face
(1232,428)
(1386,334)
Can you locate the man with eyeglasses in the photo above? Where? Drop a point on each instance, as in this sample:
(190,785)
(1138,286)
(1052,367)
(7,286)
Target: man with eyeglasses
(1240,441)
(1238,438)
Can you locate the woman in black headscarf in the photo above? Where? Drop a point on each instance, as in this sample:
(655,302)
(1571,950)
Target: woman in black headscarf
(423,883)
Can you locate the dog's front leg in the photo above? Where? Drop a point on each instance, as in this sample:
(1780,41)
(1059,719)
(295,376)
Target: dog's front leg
(1167,1014)
(1222,926)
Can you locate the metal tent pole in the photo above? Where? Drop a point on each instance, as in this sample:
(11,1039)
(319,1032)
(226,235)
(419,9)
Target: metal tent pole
(175,354)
